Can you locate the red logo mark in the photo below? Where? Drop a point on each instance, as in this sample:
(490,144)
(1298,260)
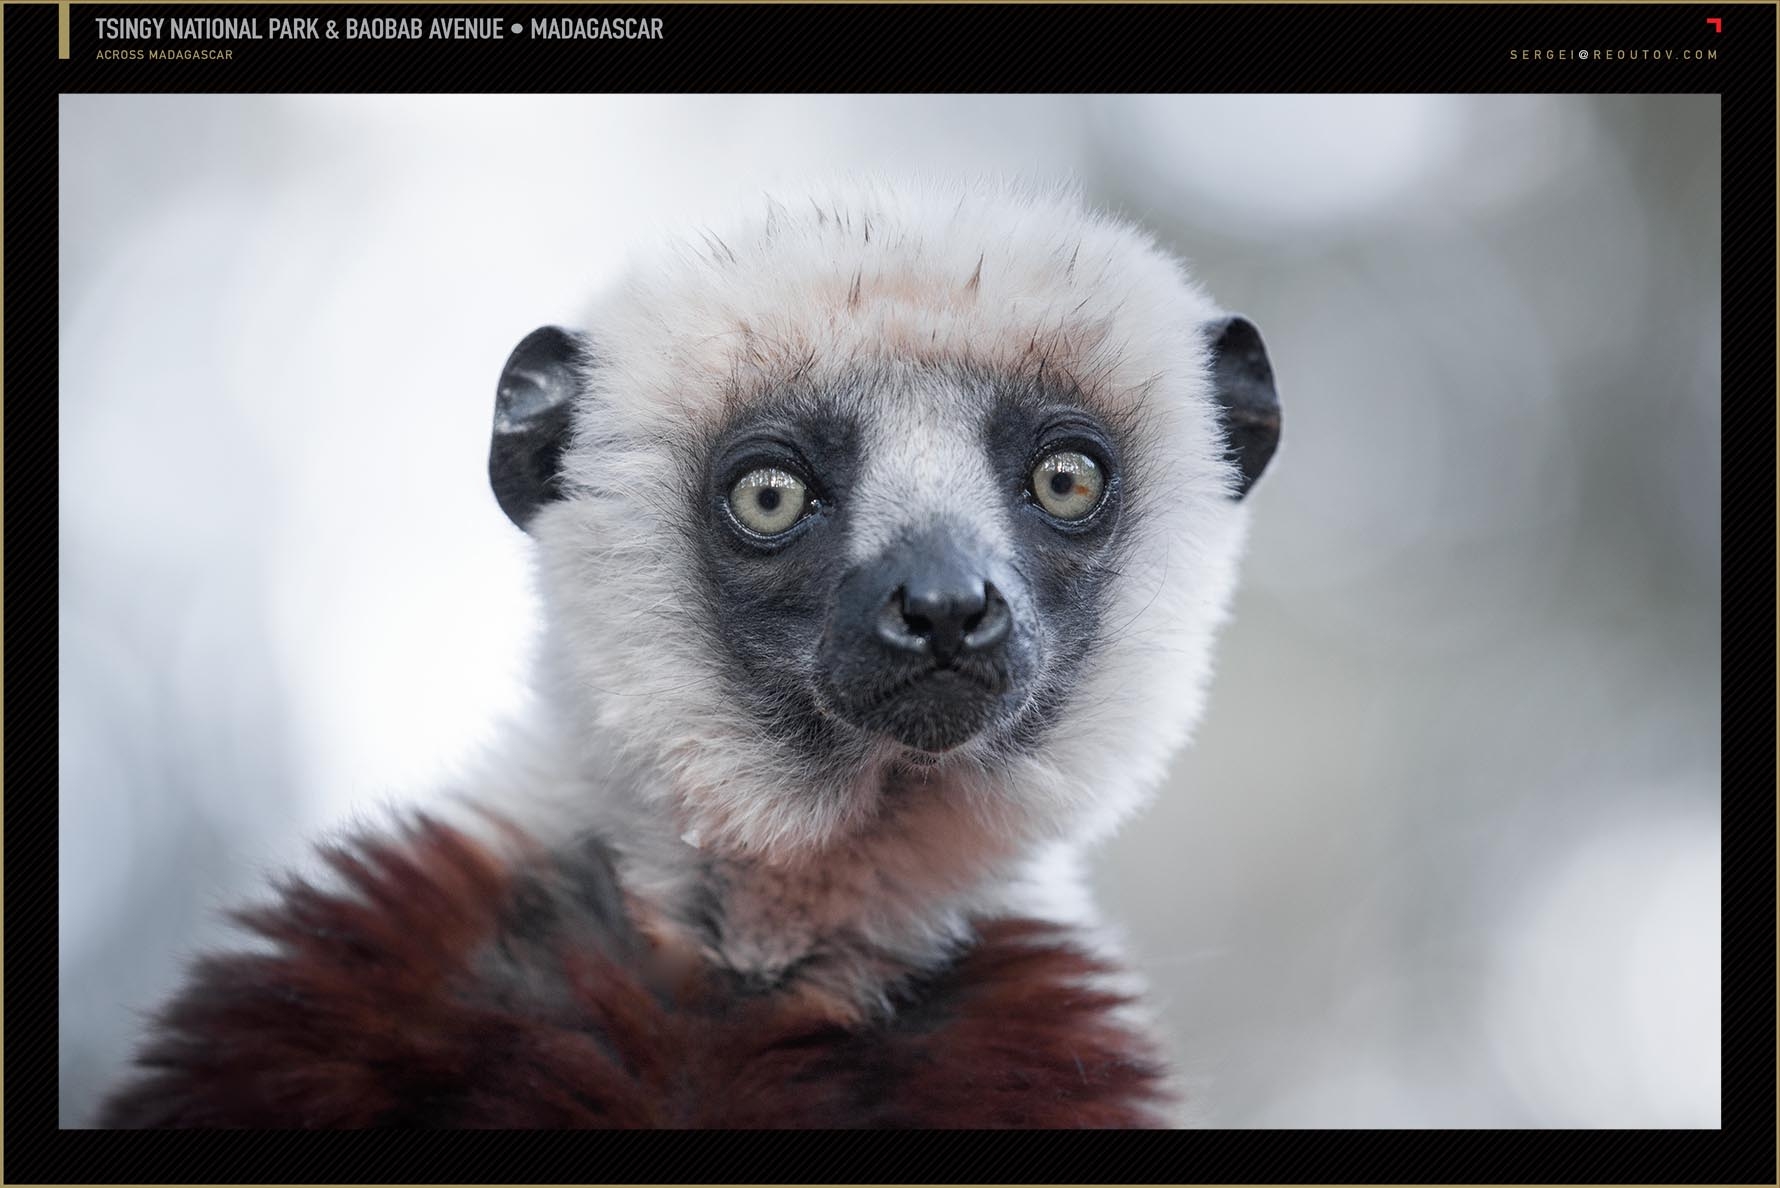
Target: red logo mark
(1717,24)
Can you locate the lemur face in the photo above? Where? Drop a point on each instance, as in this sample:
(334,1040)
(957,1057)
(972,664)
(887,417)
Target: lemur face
(828,502)
(913,556)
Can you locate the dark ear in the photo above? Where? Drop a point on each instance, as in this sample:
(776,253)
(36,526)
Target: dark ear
(531,420)
(1243,381)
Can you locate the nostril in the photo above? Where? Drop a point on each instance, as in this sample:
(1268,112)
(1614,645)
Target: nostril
(975,620)
(901,628)
(991,625)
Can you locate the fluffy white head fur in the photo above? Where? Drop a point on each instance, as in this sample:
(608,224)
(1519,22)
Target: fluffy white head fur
(915,283)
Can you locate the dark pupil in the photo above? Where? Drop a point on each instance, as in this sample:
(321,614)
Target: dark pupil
(1062,483)
(768,499)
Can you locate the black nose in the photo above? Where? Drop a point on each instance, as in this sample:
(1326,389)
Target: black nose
(945,614)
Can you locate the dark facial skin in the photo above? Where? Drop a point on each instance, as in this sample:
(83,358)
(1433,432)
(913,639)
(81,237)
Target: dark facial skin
(939,640)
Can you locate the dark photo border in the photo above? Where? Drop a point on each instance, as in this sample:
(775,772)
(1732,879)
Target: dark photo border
(894,47)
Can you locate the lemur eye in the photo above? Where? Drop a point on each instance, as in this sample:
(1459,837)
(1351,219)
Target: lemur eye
(769,500)
(1068,484)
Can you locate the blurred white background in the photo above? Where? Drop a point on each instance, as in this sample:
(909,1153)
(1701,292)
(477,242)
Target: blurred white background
(1446,852)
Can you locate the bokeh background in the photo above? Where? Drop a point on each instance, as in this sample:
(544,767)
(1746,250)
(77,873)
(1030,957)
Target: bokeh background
(1446,852)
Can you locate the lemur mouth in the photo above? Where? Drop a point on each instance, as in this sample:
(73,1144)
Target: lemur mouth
(934,710)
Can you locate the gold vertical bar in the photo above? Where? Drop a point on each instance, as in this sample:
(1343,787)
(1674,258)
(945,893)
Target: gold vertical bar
(62,29)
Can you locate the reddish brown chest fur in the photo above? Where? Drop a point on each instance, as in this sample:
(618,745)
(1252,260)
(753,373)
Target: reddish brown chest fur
(446,988)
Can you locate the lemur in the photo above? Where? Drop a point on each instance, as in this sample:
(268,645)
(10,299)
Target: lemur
(881,543)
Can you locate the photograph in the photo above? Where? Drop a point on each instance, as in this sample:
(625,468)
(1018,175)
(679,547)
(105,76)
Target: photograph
(889,610)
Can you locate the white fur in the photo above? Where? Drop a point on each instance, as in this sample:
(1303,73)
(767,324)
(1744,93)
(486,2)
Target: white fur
(634,736)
